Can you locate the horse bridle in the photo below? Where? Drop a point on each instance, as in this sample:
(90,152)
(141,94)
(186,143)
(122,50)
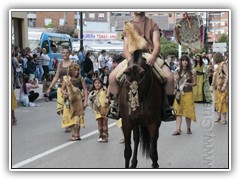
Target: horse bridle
(138,82)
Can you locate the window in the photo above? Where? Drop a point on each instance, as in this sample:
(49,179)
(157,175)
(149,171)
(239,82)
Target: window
(83,15)
(101,16)
(178,14)
(31,22)
(92,16)
(61,22)
(47,21)
(169,14)
(31,12)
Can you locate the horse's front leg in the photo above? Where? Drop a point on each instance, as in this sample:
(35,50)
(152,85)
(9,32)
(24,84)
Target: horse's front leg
(128,150)
(154,133)
(136,143)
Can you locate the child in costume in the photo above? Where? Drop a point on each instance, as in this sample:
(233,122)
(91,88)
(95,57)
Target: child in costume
(73,112)
(97,100)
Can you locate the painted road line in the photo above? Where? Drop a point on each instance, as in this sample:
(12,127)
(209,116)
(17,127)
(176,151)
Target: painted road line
(34,158)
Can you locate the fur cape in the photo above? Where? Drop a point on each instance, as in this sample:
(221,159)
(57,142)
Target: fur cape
(135,41)
(75,98)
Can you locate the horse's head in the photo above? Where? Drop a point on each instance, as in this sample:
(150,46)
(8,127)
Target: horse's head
(136,68)
(137,82)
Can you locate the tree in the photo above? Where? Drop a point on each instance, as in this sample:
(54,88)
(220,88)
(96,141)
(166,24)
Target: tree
(67,30)
(223,38)
(50,25)
(168,48)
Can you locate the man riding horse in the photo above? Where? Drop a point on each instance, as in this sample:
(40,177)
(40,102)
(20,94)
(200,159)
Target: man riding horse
(142,33)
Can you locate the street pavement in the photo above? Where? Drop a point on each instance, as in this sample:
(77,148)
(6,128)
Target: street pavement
(38,141)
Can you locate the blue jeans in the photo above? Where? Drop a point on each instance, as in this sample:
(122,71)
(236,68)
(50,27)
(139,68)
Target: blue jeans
(39,72)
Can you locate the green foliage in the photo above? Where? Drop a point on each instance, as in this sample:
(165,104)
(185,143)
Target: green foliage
(165,41)
(67,30)
(50,25)
(168,48)
(223,38)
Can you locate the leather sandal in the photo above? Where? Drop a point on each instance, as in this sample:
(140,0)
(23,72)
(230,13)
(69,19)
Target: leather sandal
(217,120)
(189,131)
(223,122)
(75,138)
(176,133)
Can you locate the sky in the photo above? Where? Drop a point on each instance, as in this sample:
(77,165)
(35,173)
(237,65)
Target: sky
(124,4)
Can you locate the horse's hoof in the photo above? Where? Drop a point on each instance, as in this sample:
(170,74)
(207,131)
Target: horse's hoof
(134,165)
(155,166)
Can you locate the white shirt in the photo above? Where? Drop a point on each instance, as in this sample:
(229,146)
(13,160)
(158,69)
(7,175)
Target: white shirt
(101,59)
(74,58)
(205,61)
(46,59)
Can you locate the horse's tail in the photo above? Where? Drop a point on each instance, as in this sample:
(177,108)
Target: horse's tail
(145,141)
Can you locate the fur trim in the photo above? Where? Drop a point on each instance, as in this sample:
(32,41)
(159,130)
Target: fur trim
(135,41)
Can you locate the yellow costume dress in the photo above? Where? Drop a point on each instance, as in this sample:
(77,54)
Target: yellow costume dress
(60,101)
(185,107)
(66,119)
(198,89)
(98,98)
(221,97)
(14,101)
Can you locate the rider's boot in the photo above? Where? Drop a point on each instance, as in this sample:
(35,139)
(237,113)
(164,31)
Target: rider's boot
(169,113)
(113,107)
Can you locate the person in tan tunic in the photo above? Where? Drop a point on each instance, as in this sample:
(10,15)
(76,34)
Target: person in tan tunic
(220,88)
(148,40)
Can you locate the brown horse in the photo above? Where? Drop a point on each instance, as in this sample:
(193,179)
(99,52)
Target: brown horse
(140,103)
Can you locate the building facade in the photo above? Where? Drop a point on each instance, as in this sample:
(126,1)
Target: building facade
(19,31)
(215,22)
(55,19)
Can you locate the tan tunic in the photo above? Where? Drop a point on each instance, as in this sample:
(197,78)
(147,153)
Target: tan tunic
(145,29)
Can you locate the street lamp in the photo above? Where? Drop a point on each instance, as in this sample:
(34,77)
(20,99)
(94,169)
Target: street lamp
(81,29)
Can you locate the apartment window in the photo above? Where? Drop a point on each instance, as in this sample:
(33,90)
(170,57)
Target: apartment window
(31,12)
(178,14)
(101,16)
(47,21)
(92,16)
(169,14)
(61,22)
(31,22)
